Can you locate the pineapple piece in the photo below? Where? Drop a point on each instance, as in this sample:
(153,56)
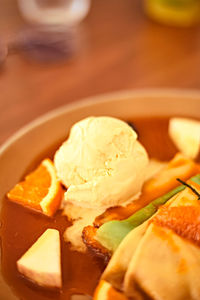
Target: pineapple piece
(41,263)
(185,134)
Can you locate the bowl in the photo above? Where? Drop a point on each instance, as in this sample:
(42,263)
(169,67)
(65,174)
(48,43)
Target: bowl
(32,140)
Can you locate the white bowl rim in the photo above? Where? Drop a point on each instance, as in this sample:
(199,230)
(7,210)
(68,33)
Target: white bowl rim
(103,98)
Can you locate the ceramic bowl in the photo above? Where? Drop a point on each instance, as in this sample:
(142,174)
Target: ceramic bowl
(21,149)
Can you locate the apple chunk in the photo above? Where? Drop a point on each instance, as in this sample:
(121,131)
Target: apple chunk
(42,263)
(185,134)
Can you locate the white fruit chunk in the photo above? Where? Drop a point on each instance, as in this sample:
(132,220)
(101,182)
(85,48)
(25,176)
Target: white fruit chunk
(41,263)
(185,134)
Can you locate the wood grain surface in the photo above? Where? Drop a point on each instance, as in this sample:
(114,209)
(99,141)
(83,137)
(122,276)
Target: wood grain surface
(119,48)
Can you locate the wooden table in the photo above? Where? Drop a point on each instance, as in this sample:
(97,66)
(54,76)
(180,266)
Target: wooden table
(120,49)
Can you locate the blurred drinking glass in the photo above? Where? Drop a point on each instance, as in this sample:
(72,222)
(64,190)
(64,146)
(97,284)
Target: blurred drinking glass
(53,27)
(64,13)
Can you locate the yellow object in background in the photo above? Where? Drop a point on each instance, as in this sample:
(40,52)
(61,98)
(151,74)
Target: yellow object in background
(174,12)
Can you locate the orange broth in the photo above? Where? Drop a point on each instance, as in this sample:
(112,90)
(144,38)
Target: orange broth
(21,227)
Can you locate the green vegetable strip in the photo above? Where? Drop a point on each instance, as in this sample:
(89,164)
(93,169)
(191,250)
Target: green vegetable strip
(112,233)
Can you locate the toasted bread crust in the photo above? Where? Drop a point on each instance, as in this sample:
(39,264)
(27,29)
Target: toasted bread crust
(88,236)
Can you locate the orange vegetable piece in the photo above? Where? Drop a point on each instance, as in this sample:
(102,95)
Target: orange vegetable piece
(40,190)
(105,291)
(179,167)
(183,220)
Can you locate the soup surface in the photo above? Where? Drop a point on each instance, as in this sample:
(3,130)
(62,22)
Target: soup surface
(21,227)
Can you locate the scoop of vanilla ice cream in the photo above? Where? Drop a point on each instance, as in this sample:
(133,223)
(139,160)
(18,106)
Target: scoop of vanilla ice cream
(102,164)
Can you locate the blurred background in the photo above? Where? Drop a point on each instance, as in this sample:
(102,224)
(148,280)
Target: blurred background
(53,52)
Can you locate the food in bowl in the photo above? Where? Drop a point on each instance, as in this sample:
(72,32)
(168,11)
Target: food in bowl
(101,197)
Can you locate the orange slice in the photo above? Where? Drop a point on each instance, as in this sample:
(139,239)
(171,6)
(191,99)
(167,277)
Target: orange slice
(105,291)
(40,190)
